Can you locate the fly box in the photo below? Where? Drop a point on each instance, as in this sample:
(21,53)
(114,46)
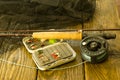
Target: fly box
(34,44)
(50,53)
(53,55)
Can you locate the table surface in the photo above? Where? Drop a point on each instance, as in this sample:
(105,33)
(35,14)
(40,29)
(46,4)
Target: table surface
(12,49)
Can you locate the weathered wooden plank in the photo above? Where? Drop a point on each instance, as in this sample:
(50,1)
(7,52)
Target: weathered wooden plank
(76,73)
(105,17)
(12,72)
(13,50)
(118,6)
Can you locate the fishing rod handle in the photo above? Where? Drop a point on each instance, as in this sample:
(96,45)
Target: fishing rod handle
(58,35)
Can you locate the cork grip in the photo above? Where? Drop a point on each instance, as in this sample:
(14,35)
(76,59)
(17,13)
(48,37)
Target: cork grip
(58,35)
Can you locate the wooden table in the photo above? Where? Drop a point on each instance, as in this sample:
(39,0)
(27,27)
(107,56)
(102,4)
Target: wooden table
(12,49)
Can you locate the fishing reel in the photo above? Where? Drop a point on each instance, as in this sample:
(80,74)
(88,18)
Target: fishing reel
(94,48)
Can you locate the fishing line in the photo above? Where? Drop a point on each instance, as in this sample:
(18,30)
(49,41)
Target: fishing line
(22,65)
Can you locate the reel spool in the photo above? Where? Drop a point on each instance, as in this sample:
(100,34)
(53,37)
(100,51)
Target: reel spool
(94,49)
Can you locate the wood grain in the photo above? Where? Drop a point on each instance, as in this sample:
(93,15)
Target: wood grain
(12,49)
(76,73)
(105,17)
(118,6)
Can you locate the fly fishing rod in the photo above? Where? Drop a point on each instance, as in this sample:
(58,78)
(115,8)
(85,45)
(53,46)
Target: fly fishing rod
(93,47)
(51,34)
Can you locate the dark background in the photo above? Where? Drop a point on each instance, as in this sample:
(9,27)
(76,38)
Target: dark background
(36,15)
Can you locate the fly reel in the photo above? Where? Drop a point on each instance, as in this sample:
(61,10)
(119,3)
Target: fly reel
(94,48)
